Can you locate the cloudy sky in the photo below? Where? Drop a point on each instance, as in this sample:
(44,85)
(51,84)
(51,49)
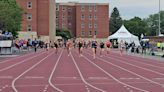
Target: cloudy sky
(129,8)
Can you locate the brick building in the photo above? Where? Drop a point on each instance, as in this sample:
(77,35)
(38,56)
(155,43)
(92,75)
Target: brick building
(38,19)
(84,19)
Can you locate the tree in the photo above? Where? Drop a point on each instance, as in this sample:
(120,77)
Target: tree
(115,21)
(10,16)
(64,33)
(136,26)
(153,23)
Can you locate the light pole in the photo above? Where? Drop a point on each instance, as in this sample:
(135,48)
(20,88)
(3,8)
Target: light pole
(159,32)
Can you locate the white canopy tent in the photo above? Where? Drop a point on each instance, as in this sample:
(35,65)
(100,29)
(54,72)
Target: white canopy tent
(125,35)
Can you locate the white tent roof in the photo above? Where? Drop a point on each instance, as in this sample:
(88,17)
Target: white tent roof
(125,35)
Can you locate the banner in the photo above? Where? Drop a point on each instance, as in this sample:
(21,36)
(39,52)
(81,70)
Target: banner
(6,43)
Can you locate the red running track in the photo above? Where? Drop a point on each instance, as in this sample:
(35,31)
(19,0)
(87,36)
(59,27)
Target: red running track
(46,71)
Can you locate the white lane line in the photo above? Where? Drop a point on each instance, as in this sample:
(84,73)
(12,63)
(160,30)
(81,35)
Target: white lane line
(52,73)
(6,68)
(83,77)
(136,66)
(112,75)
(13,82)
(151,81)
(18,57)
(159,60)
(145,63)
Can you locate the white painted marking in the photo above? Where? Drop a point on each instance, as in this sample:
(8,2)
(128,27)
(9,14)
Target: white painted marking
(34,77)
(98,78)
(129,78)
(151,81)
(137,66)
(3,87)
(83,77)
(102,83)
(111,75)
(30,86)
(158,78)
(6,77)
(6,68)
(17,57)
(13,82)
(125,86)
(131,90)
(128,88)
(66,77)
(50,78)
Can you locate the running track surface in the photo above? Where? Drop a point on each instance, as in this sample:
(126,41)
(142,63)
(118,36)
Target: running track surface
(45,71)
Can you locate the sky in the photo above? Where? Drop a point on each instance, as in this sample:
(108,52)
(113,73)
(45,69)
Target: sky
(129,8)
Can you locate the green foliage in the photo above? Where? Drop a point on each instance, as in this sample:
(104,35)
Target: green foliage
(148,26)
(64,33)
(153,23)
(136,26)
(115,21)
(10,16)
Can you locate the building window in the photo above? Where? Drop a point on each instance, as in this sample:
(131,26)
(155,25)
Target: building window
(90,33)
(57,7)
(90,25)
(29,5)
(29,16)
(29,28)
(69,23)
(82,8)
(90,17)
(63,8)
(57,25)
(95,32)
(95,8)
(69,9)
(70,17)
(57,17)
(90,8)
(82,33)
(95,25)
(63,25)
(82,25)
(63,17)
(95,17)
(82,16)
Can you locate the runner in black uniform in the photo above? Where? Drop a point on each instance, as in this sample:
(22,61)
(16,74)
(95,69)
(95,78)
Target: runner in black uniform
(56,47)
(94,47)
(80,44)
(101,48)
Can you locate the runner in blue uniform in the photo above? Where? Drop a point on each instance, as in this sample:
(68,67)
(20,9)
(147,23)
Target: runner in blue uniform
(94,48)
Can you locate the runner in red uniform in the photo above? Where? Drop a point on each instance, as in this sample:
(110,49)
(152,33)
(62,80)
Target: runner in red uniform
(68,46)
(108,45)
